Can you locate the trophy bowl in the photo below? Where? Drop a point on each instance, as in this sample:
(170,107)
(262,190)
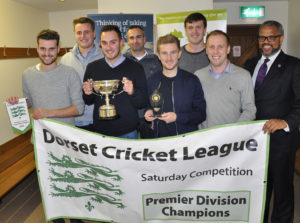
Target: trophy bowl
(107,87)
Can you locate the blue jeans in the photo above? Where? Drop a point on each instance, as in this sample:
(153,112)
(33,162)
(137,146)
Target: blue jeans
(130,135)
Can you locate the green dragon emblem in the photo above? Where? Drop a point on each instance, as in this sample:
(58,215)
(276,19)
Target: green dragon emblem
(85,182)
(18,111)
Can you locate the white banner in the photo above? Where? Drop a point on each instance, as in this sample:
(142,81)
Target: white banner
(213,175)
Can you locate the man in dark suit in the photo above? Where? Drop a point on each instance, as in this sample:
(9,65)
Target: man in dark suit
(276,78)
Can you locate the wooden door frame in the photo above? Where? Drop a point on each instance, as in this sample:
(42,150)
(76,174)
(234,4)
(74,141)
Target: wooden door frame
(234,30)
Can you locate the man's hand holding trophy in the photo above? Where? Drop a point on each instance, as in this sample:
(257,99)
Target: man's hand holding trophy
(107,88)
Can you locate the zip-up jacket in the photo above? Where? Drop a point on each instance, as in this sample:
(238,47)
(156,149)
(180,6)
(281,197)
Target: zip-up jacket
(150,62)
(189,102)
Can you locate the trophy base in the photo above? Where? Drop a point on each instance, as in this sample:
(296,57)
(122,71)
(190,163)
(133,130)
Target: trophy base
(108,113)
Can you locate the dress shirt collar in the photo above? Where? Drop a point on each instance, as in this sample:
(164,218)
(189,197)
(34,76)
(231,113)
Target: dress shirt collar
(117,63)
(84,60)
(271,58)
(217,76)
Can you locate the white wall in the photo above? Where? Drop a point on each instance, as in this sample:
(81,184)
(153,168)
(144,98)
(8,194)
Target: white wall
(20,24)
(293,46)
(19,27)
(274,10)
(62,22)
(152,6)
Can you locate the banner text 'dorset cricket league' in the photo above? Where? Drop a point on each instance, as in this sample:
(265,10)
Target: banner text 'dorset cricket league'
(215,175)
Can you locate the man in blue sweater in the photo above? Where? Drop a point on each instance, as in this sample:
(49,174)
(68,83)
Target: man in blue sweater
(184,105)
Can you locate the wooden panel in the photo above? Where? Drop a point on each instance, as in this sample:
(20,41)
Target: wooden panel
(15,149)
(245,37)
(15,173)
(15,142)
(15,53)
(12,155)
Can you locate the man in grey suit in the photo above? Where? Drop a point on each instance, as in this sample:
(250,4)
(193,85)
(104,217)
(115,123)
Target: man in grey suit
(276,78)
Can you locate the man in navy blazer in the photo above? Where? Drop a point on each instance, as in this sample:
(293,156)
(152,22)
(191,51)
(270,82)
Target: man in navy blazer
(277,99)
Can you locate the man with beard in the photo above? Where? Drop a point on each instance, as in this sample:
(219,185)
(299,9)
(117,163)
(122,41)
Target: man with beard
(84,52)
(52,90)
(129,98)
(276,78)
(193,55)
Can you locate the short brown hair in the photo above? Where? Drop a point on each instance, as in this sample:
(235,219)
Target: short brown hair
(218,32)
(169,38)
(82,20)
(195,17)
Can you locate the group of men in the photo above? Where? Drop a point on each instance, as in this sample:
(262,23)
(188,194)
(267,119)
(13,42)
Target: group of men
(199,85)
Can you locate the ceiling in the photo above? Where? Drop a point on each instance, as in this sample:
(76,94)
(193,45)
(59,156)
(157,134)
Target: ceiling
(56,5)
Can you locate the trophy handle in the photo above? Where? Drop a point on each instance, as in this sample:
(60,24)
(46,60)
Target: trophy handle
(120,86)
(97,93)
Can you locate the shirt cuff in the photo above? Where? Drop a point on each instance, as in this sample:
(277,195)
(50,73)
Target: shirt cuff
(287,128)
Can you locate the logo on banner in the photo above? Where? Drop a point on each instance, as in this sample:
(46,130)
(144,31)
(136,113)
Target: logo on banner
(177,33)
(18,111)
(83,179)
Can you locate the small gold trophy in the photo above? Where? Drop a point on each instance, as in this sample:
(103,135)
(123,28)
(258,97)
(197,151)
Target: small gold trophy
(107,87)
(156,101)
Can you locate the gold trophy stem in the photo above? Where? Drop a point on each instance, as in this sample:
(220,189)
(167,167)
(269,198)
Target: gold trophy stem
(106,99)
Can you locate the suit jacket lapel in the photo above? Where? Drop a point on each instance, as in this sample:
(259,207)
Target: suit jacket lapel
(275,69)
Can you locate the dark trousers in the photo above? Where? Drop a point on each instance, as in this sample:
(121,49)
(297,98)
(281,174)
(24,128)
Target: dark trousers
(281,183)
(144,129)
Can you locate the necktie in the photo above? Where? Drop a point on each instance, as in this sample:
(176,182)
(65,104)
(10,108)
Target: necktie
(261,74)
